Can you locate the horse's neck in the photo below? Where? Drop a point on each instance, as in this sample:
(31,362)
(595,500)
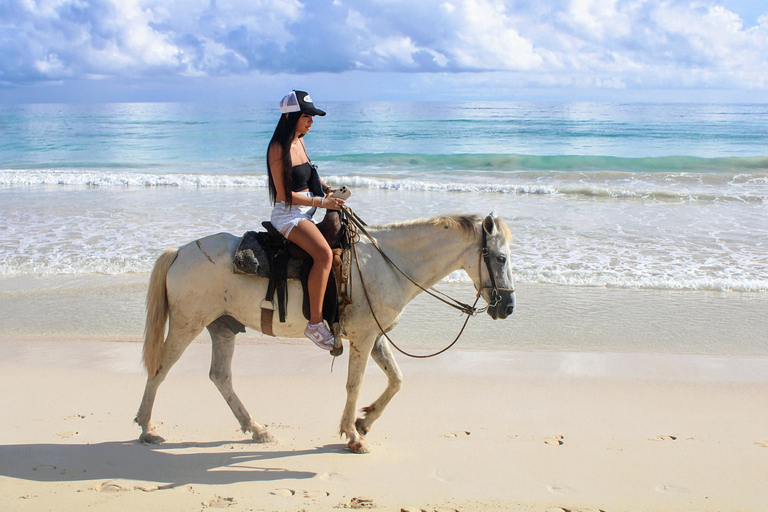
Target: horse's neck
(425,253)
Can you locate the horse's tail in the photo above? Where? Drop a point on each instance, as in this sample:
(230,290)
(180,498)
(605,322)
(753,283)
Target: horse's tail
(157,312)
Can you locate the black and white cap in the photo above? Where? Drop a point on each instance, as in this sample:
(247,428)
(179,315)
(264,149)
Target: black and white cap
(299,101)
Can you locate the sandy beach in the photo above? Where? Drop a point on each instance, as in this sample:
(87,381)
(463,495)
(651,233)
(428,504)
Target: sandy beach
(473,430)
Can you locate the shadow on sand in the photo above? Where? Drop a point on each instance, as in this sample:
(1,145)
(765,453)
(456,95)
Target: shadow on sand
(176,464)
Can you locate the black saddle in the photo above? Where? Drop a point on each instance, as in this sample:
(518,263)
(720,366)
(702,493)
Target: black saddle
(269,254)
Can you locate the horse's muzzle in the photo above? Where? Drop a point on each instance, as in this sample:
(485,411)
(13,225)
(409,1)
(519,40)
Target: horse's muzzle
(504,307)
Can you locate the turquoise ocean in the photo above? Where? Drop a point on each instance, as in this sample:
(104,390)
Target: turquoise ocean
(600,197)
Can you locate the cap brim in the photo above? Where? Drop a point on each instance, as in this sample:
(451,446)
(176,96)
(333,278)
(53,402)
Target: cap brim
(312,111)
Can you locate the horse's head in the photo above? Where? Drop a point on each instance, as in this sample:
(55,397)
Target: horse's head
(493,275)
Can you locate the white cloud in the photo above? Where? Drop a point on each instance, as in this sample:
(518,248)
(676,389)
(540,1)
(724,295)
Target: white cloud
(584,43)
(486,38)
(597,19)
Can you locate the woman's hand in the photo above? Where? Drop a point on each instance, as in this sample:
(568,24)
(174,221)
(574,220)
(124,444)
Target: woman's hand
(333,203)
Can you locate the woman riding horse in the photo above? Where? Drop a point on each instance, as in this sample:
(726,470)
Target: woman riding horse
(193,287)
(297,192)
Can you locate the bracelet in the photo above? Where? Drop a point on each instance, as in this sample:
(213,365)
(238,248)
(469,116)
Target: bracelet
(322,200)
(313,201)
(325,189)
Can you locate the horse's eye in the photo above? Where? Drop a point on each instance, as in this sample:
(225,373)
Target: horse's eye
(501,259)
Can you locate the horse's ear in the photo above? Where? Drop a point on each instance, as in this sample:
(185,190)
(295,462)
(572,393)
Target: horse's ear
(489,224)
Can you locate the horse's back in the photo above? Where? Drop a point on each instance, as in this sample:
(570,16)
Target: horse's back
(217,249)
(197,279)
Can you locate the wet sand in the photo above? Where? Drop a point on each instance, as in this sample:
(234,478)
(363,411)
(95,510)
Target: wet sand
(547,317)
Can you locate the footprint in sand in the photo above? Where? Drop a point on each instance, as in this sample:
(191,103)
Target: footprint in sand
(285,493)
(310,495)
(764,444)
(316,495)
(153,487)
(118,486)
(358,502)
(66,435)
(220,502)
(563,509)
(554,440)
(431,509)
(663,438)
(111,486)
(458,433)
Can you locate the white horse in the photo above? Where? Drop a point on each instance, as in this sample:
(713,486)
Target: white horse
(192,286)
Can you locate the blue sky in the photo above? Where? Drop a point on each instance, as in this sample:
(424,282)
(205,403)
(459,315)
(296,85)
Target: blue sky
(246,50)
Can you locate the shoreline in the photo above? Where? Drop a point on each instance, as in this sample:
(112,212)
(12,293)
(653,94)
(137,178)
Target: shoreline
(467,432)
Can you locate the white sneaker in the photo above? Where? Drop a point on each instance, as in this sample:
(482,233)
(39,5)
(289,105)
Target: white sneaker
(319,334)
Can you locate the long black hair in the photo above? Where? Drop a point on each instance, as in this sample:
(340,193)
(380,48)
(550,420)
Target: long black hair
(283,137)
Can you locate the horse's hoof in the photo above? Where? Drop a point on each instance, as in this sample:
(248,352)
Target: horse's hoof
(358,447)
(150,438)
(264,437)
(361,429)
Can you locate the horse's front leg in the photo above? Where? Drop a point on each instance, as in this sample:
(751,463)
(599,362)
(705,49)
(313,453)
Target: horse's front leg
(382,354)
(359,351)
(223,340)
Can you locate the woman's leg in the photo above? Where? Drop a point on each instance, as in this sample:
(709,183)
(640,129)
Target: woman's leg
(306,235)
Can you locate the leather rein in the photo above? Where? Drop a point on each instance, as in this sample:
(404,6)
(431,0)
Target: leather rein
(466,309)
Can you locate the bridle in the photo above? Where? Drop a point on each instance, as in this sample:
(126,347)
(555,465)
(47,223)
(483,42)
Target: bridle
(485,254)
(456,304)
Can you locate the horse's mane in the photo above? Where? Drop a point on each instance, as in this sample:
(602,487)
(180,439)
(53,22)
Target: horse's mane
(469,223)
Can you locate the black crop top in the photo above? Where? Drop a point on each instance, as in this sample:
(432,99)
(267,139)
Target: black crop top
(300,175)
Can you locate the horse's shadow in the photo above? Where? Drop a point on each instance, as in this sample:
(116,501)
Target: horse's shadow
(174,464)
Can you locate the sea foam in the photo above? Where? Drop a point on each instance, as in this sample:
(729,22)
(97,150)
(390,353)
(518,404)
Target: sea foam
(670,187)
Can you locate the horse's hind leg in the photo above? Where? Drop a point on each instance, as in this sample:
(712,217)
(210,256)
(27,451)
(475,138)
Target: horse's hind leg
(221,374)
(382,354)
(176,342)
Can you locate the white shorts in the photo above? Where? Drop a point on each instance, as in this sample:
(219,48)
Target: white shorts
(285,219)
